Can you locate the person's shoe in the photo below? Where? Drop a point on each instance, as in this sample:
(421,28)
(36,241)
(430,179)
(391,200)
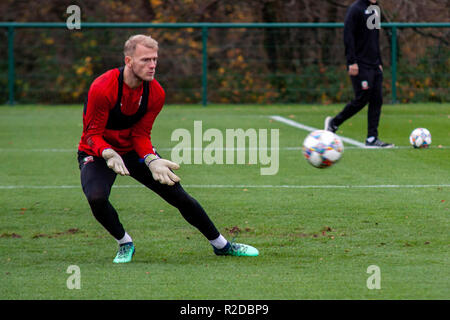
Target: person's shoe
(237,249)
(125,253)
(377,143)
(329,126)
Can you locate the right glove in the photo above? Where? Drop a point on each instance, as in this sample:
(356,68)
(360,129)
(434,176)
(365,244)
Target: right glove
(160,169)
(115,162)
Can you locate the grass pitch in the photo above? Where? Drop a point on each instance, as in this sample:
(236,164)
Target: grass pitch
(318,231)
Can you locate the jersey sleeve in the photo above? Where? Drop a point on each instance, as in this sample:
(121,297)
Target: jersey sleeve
(350,26)
(141,131)
(95,120)
(379,56)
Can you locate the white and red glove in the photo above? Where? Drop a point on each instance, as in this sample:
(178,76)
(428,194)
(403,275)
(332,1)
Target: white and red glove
(115,162)
(160,169)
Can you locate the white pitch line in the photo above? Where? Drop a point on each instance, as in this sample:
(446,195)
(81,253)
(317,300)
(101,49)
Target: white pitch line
(4,150)
(308,128)
(170,149)
(318,186)
(243,186)
(74,150)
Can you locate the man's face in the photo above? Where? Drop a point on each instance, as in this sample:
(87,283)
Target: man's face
(373,1)
(143,62)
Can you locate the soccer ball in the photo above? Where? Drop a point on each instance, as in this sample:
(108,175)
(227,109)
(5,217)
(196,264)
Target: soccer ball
(322,148)
(420,138)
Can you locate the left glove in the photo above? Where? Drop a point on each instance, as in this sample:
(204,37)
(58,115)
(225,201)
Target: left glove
(115,162)
(161,169)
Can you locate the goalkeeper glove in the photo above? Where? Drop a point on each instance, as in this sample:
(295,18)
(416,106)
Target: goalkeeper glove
(160,169)
(115,162)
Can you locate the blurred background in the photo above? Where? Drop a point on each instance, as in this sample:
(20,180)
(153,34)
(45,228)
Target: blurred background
(244,65)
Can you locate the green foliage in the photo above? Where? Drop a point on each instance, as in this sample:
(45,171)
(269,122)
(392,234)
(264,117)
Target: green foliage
(428,78)
(58,66)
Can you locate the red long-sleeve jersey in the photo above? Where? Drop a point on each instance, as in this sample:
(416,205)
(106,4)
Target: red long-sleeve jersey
(102,98)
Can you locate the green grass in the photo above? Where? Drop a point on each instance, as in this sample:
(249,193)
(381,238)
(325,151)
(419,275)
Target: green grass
(315,243)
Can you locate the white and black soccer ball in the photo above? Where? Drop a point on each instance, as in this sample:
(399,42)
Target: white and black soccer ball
(322,148)
(420,138)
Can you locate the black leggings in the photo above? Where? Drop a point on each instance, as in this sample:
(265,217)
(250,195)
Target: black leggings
(372,94)
(97,180)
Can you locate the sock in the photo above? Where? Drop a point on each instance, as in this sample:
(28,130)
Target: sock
(332,123)
(126,238)
(370,139)
(219,243)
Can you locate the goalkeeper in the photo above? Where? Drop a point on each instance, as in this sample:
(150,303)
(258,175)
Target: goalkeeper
(118,117)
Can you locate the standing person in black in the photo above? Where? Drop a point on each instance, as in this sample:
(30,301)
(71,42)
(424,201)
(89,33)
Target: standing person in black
(365,67)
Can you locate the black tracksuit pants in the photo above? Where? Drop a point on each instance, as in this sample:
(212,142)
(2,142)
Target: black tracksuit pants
(368,88)
(97,180)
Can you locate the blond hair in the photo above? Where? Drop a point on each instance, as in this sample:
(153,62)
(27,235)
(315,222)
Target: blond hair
(133,41)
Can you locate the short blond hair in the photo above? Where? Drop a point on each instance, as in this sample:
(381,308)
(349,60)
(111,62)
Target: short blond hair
(133,41)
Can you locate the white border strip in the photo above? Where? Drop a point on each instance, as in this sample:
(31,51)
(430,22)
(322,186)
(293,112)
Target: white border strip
(308,128)
(243,186)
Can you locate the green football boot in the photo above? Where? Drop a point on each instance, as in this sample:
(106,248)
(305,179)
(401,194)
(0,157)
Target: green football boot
(237,250)
(125,253)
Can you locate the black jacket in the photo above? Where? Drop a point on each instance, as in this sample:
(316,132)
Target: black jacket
(362,44)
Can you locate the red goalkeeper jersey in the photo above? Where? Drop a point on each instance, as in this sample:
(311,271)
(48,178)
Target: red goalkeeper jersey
(119,117)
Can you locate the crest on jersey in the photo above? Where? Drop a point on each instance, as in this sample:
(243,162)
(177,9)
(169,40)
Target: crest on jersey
(88,159)
(364,85)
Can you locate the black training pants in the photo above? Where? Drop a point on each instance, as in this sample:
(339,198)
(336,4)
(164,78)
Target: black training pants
(368,88)
(97,180)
